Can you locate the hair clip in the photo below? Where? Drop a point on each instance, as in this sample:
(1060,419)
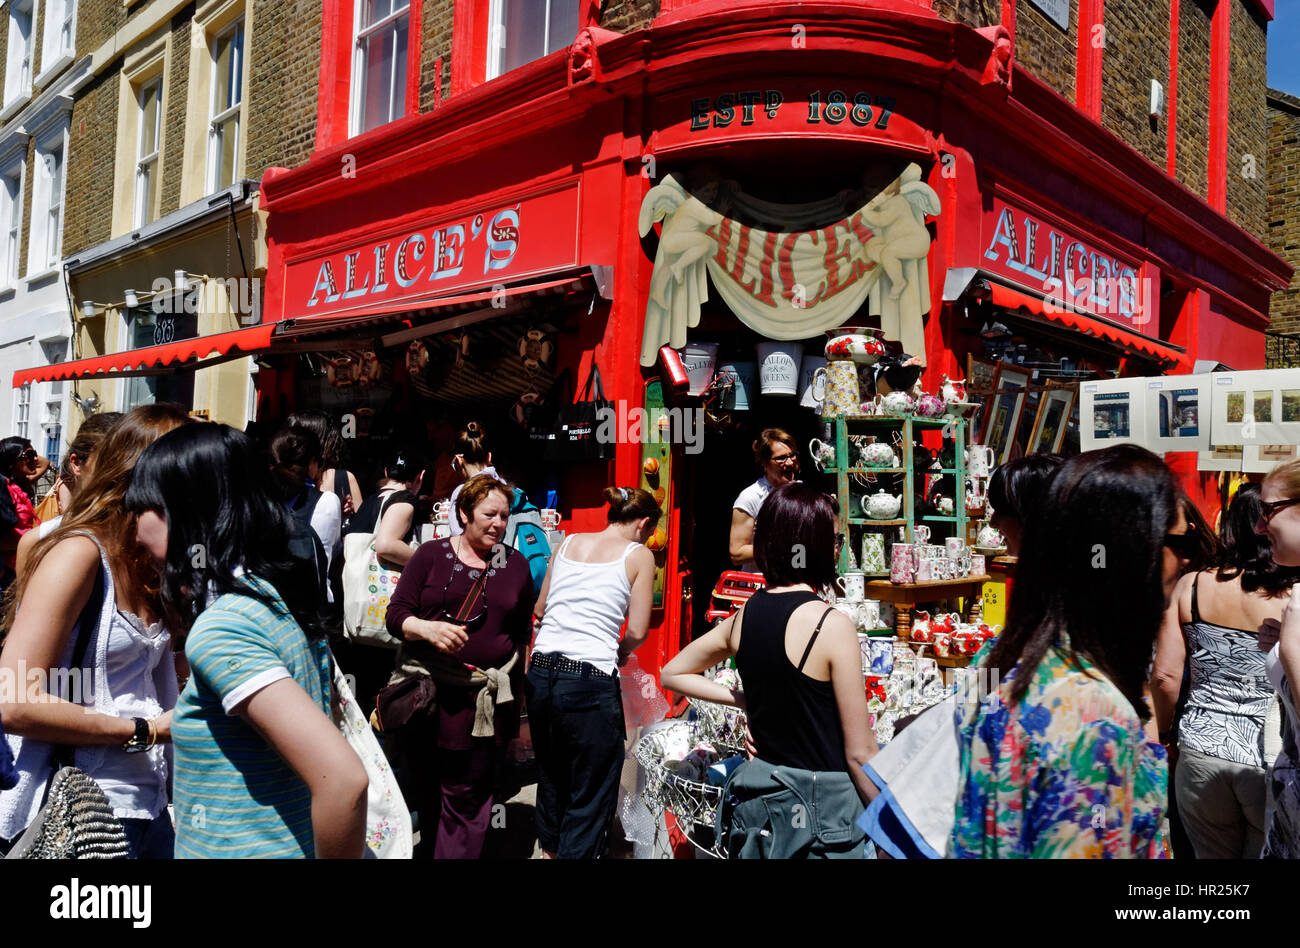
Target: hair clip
(623,491)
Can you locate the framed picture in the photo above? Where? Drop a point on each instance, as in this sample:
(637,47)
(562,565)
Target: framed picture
(1262,458)
(1176,413)
(1111,413)
(979,376)
(1004,409)
(1260,407)
(1054,410)
(1221,457)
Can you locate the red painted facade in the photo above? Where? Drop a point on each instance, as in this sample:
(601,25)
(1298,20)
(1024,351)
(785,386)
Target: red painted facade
(642,104)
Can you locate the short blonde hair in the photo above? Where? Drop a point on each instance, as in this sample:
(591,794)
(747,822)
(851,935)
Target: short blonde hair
(1287,478)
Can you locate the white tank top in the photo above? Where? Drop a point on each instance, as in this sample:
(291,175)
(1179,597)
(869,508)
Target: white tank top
(585,608)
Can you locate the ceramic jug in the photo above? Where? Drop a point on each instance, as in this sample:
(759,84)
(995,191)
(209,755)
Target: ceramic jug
(842,395)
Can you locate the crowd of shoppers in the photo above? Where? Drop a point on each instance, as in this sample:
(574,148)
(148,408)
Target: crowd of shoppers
(187,575)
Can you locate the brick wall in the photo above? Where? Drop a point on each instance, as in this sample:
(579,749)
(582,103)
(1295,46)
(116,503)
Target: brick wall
(624,16)
(1283,202)
(435,43)
(24,239)
(175,95)
(976,13)
(98,20)
(1136,51)
(1046,51)
(1247,120)
(284,76)
(1194,94)
(93,152)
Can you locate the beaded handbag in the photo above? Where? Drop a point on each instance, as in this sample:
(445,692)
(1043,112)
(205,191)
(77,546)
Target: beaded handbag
(76,822)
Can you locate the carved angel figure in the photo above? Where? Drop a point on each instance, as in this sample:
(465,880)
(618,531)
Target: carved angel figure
(897,215)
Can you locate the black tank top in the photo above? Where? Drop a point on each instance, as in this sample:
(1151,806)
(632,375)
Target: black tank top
(793,718)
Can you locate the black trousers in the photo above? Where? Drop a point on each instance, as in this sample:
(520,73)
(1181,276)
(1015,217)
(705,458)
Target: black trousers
(576,721)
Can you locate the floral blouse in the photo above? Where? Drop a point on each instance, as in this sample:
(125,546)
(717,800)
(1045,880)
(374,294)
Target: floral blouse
(1067,773)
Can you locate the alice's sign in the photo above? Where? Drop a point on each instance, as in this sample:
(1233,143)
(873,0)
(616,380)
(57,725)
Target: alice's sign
(534,235)
(1067,270)
(797,276)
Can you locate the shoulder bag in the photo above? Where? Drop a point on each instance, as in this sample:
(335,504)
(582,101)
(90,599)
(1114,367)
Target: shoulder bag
(368,586)
(578,424)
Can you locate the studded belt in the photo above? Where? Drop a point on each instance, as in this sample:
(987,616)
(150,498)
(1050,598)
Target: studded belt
(560,663)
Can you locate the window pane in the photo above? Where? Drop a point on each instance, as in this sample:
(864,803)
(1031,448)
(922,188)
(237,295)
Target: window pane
(225,54)
(149,120)
(377,72)
(564,25)
(55,168)
(227,149)
(525,32)
(399,72)
(52,249)
(374,10)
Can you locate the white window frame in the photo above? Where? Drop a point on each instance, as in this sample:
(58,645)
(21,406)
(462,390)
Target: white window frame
(11,212)
(237,110)
(143,213)
(18,76)
(23,410)
(359,37)
(59,36)
(45,236)
(497,38)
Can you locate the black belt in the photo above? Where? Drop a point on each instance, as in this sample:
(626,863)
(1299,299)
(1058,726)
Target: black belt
(560,663)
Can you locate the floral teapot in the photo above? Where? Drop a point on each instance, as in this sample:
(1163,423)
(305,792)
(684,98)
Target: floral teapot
(881,505)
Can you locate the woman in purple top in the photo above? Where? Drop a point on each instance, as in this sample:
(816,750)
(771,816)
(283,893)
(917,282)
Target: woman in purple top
(463,608)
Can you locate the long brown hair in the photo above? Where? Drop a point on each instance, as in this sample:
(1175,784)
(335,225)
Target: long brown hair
(97,506)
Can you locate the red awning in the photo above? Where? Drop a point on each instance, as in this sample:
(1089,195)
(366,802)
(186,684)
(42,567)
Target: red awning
(1008,298)
(413,309)
(153,360)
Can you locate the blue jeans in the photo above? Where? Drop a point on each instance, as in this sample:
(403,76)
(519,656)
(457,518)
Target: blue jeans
(150,839)
(576,722)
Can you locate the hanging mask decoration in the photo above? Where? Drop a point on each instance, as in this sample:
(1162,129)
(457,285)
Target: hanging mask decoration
(369,369)
(417,358)
(535,350)
(342,371)
(523,409)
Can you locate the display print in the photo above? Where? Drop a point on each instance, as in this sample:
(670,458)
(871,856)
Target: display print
(1262,458)
(1174,407)
(1010,385)
(1054,410)
(1236,407)
(1221,457)
(1263,406)
(1179,413)
(1110,416)
(1115,411)
(979,376)
(1291,406)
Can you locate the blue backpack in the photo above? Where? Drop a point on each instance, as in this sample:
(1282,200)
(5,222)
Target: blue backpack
(526,534)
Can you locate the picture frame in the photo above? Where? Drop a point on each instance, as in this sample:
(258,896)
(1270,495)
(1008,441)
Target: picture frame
(1177,409)
(979,376)
(1006,404)
(1257,407)
(1262,458)
(1111,412)
(1055,408)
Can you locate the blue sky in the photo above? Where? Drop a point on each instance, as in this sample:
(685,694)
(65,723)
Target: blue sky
(1284,47)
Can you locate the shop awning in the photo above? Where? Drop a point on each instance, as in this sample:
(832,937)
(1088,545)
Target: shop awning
(415,311)
(156,360)
(1007,298)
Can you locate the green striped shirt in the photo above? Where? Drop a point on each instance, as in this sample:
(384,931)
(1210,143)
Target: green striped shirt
(235,797)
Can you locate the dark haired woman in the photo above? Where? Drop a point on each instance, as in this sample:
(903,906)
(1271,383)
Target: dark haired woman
(332,477)
(470,459)
(777,454)
(92,593)
(20,468)
(804,692)
(257,755)
(1055,763)
(1016,492)
(463,609)
(575,703)
(1215,625)
(295,466)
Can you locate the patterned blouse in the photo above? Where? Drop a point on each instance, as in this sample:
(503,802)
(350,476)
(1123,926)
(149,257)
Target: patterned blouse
(1067,773)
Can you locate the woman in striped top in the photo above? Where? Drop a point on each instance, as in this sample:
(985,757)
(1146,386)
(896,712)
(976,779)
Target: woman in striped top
(261,771)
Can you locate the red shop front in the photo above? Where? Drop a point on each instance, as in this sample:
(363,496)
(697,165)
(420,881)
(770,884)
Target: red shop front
(709,179)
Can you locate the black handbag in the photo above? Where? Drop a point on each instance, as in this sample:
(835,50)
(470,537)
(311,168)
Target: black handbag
(581,430)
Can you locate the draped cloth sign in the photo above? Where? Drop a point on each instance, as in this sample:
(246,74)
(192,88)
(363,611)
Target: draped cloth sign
(785,282)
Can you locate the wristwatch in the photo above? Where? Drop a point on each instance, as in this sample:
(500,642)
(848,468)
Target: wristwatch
(140,739)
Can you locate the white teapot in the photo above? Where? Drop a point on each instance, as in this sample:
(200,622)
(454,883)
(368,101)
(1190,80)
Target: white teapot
(990,538)
(881,505)
(878,454)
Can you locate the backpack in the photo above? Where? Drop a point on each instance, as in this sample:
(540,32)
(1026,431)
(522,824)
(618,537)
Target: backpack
(304,544)
(526,534)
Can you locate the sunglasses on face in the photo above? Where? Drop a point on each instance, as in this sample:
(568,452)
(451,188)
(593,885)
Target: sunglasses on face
(29,455)
(1269,508)
(1185,546)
